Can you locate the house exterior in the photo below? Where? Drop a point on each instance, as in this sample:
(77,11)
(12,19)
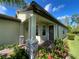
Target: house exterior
(32,23)
(40,25)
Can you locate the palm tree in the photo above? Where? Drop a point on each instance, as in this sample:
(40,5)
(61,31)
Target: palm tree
(75,18)
(15,3)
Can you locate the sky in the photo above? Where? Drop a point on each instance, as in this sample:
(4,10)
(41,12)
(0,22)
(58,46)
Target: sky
(57,8)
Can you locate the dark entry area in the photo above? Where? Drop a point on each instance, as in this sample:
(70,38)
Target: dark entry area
(51,33)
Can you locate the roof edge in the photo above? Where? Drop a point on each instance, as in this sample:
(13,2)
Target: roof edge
(10,18)
(34,4)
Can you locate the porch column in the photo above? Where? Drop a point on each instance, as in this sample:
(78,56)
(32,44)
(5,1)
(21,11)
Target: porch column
(22,17)
(32,42)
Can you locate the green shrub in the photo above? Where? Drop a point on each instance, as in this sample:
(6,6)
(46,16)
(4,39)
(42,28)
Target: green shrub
(18,53)
(61,48)
(71,36)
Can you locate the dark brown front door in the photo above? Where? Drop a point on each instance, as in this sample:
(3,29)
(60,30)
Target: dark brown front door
(51,33)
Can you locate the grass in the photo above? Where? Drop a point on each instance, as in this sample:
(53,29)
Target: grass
(74,47)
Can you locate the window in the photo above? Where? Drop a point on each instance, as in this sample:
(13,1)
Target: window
(36,29)
(63,31)
(44,30)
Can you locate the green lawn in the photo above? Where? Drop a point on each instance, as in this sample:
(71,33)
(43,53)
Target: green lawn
(74,47)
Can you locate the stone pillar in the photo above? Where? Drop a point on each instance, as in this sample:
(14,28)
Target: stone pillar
(32,42)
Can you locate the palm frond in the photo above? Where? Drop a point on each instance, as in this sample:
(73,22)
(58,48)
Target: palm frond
(18,3)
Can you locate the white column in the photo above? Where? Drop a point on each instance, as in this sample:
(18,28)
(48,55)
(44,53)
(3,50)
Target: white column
(32,28)
(32,36)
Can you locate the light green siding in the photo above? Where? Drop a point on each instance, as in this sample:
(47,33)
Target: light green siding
(9,32)
(58,31)
(25,30)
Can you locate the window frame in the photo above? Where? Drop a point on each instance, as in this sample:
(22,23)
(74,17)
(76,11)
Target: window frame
(43,30)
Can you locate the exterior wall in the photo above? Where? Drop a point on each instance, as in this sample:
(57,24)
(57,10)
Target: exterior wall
(42,38)
(65,31)
(58,29)
(25,30)
(9,32)
(41,21)
(62,35)
(55,32)
(58,32)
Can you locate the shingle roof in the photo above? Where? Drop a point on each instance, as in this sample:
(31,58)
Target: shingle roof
(10,18)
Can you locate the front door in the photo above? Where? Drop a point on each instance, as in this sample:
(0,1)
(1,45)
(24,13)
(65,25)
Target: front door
(51,33)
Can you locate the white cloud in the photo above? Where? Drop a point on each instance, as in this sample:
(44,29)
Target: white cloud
(48,7)
(58,8)
(3,9)
(65,19)
(2,12)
